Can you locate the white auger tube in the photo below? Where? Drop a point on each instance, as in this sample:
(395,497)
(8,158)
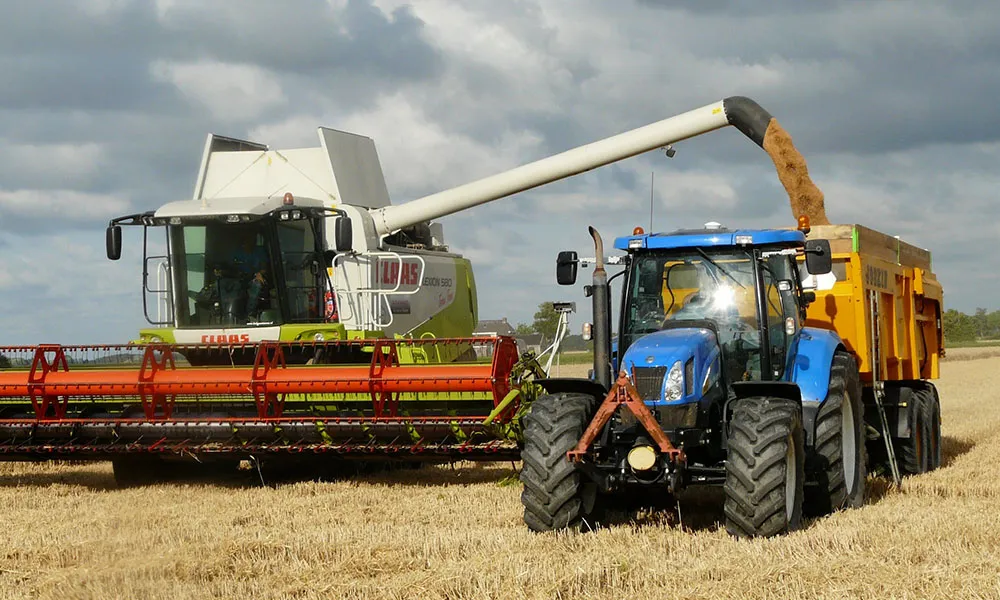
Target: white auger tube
(741,112)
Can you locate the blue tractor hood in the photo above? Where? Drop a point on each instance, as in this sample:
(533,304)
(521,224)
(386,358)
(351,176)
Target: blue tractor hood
(662,349)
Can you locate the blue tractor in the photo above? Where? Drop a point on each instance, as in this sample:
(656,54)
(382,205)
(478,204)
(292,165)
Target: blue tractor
(712,379)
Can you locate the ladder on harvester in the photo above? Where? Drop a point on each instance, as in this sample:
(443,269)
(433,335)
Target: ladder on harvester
(364,296)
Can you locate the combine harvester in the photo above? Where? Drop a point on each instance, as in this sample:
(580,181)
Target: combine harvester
(298,317)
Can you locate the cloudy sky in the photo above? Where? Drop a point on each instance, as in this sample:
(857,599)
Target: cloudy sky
(105,104)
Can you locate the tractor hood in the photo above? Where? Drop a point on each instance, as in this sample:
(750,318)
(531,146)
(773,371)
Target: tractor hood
(688,351)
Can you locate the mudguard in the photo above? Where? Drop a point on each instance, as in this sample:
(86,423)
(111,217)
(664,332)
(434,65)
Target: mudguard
(572,385)
(810,369)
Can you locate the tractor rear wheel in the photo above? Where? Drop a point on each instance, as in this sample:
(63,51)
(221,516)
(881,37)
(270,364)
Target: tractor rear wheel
(836,463)
(765,468)
(914,452)
(556,494)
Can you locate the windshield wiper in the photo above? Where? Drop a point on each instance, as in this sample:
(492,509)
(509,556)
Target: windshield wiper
(719,267)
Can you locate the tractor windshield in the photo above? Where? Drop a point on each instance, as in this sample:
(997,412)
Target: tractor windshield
(671,289)
(246,274)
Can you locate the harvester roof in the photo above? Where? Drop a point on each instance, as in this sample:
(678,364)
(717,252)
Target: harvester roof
(253,205)
(710,237)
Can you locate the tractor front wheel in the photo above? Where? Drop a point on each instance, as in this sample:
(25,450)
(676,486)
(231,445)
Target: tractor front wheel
(765,467)
(556,494)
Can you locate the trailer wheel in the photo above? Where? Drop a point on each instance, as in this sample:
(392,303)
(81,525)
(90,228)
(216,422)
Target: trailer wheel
(765,468)
(914,452)
(836,465)
(556,495)
(933,415)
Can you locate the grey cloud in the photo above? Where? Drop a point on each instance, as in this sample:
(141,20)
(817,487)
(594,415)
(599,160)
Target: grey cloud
(737,8)
(885,99)
(307,38)
(91,82)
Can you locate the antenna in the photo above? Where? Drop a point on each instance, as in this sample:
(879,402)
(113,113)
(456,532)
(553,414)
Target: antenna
(651,187)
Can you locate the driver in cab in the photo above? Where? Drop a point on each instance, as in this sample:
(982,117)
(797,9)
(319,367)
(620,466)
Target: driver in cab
(250,262)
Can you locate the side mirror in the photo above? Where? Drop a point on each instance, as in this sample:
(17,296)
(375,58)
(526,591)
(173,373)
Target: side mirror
(343,231)
(819,260)
(566,265)
(114,242)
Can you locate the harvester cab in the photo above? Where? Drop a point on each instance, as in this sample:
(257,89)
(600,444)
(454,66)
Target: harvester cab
(282,245)
(261,268)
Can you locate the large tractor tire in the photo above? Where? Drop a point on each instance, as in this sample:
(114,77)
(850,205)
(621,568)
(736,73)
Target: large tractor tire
(836,462)
(921,452)
(556,495)
(765,468)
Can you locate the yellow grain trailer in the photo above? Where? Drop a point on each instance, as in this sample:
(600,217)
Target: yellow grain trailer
(885,303)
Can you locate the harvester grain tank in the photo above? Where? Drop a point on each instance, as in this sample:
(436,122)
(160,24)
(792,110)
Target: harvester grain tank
(323,322)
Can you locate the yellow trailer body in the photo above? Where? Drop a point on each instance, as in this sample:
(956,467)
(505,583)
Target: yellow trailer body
(885,304)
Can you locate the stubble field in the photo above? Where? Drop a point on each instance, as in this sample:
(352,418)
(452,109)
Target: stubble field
(455,532)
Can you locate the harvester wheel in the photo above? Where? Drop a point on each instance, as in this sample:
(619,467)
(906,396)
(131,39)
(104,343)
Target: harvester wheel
(137,471)
(765,468)
(836,463)
(556,495)
(914,452)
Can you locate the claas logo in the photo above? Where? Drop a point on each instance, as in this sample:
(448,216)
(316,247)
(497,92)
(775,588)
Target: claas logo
(410,273)
(221,338)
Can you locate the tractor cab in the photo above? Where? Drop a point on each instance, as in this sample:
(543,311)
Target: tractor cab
(710,304)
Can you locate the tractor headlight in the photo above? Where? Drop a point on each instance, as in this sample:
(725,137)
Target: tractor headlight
(673,389)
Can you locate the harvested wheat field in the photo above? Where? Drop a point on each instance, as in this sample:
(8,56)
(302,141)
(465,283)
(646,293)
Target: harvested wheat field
(443,532)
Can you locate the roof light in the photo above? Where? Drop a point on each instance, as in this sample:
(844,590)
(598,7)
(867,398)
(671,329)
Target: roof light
(175,220)
(743,239)
(638,231)
(634,244)
(713,225)
(288,200)
(804,223)
(232,218)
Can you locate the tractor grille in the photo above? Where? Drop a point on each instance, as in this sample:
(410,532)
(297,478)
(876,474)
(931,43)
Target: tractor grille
(649,381)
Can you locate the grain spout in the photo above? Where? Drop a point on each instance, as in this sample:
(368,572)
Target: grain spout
(804,196)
